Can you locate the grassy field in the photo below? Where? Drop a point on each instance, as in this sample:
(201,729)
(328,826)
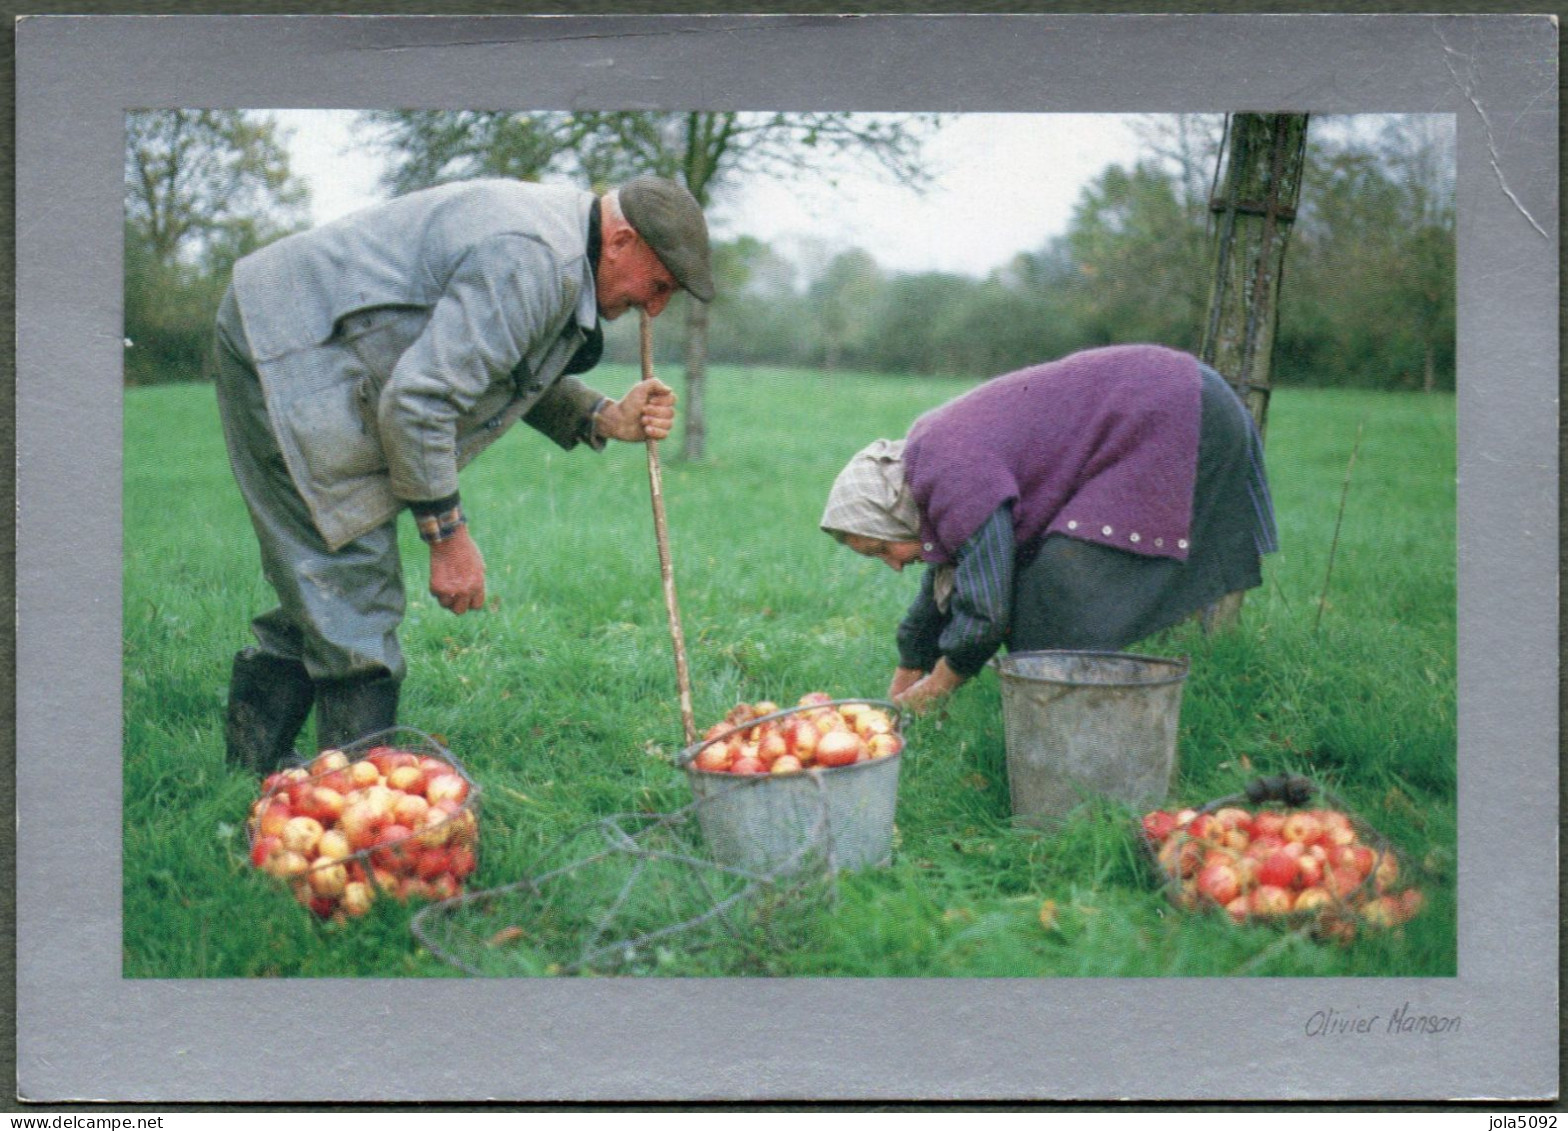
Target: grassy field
(560,698)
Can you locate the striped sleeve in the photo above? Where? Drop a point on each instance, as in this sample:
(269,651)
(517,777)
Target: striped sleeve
(982,602)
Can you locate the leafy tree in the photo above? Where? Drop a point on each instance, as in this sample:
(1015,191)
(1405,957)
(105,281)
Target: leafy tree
(202,188)
(205,182)
(1370,279)
(842,300)
(1140,253)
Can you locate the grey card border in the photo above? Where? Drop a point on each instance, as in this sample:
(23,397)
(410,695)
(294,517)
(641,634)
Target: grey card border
(85,1033)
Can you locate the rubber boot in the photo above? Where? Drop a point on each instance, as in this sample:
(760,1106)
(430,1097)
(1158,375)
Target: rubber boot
(349,709)
(269,699)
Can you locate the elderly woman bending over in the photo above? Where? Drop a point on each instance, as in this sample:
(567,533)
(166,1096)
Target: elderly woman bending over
(1086,503)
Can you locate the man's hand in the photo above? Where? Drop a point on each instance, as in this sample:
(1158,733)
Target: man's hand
(931,689)
(457,573)
(646,412)
(903,680)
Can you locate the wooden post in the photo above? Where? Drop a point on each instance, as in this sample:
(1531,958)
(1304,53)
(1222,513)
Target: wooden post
(1262,164)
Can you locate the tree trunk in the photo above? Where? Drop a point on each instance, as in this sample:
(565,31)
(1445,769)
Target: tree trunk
(694,414)
(1257,205)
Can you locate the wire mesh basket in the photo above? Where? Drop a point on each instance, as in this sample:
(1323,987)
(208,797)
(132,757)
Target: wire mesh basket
(633,894)
(391,815)
(1269,855)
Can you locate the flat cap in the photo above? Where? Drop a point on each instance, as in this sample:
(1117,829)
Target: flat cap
(670,220)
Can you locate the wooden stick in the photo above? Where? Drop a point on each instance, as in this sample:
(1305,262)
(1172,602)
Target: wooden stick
(1339,518)
(666,569)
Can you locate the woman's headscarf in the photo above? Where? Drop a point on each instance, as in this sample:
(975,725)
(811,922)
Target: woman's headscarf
(870,497)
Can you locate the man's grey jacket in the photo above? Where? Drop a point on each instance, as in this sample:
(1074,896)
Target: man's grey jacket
(395,344)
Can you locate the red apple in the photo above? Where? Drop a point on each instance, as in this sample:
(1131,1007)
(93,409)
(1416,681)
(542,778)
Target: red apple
(1180,856)
(431,863)
(1337,829)
(1309,871)
(325,805)
(361,823)
(1158,825)
(357,898)
(815,699)
(1386,874)
(1357,858)
(410,810)
(1218,881)
(1239,908)
(771,748)
(386,759)
(362,774)
(786,764)
(409,779)
(714,758)
(1234,818)
(1341,882)
(327,879)
(1383,911)
(883,744)
(462,861)
(1267,899)
(872,721)
(800,737)
(388,851)
(1280,870)
(286,863)
(747,765)
(1313,899)
(333,845)
(1268,822)
(1303,827)
(274,817)
(444,787)
(262,850)
(839,748)
(300,834)
(327,761)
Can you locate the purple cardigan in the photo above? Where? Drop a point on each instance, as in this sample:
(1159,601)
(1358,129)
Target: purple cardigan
(1101,445)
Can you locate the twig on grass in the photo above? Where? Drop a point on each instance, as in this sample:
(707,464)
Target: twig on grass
(1338,519)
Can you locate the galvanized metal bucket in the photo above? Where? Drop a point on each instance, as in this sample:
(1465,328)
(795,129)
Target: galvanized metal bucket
(1088,724)
(840,817)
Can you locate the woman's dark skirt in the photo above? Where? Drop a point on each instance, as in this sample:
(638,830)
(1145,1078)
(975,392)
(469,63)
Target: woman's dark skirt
(1082,595)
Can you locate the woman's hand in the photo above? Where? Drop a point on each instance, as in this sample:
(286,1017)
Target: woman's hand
(931,689)
(903,680)
(457,573)
(646,412)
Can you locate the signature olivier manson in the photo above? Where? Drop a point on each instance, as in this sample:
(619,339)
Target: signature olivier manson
(1400,1022)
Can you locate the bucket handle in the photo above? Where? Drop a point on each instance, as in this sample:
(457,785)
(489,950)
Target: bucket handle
(683,759)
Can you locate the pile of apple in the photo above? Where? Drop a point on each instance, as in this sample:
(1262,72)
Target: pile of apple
(817,733)
(342,831)
(1297,865)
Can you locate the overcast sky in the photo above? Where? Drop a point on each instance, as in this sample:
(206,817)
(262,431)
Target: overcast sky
(1004,183)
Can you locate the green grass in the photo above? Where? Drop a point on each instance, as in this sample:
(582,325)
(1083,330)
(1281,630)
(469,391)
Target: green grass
(561,698)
